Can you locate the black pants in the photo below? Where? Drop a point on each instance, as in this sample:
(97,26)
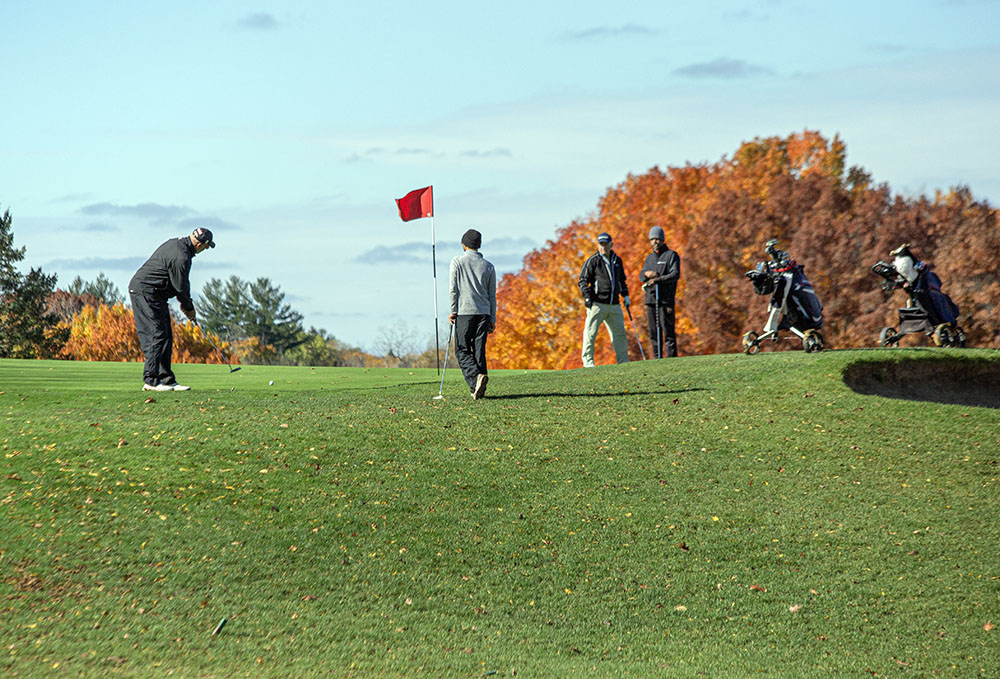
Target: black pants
(152,324)
(668,337)
(470,345)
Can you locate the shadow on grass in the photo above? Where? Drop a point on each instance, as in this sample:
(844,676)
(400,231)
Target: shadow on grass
(953,381)
(576,394)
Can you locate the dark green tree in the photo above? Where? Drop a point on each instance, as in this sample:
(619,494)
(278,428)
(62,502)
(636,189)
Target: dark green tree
(26,329)
(237,310)
(102,288)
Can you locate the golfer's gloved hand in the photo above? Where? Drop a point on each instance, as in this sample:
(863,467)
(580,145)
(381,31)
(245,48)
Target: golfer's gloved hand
(627,301)
(190,314)
(587,302)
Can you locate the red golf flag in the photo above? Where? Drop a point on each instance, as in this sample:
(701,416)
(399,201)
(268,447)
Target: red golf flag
(416,204)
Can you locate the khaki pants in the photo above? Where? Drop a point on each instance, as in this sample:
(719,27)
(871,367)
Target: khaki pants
(614,320)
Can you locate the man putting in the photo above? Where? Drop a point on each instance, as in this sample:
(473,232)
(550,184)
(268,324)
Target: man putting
(473,291)
(602,282)
(164,275)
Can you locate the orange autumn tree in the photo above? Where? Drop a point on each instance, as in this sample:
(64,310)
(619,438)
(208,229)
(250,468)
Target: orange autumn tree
(834,221)
(107,333)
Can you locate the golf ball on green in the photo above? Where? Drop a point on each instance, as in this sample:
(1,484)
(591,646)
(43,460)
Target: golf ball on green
(271,382)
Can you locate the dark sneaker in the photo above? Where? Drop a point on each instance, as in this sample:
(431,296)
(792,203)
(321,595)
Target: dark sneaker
(480,391)
(146,386)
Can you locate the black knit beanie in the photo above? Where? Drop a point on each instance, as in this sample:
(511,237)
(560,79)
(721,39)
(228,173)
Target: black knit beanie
(472,239)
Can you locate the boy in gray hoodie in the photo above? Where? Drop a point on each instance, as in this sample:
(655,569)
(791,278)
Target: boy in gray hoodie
(473,291)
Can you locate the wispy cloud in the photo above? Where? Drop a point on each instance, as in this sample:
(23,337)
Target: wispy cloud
(98,263)
(404,253)
(98,227)
(258,21)
(723,68)
(601,32)
(152,212)
(492,153)
(213,223)
(505,252)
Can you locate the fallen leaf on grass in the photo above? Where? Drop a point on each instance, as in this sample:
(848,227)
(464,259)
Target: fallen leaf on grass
(684,546)
(122,443)
(795,608)
(310,597)
(988,626)
(283,425)
(681,608)
(148,400)
(757,588)
(808,394)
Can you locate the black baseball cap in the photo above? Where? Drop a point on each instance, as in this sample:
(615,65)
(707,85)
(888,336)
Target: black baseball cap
(604,237)
(203,236)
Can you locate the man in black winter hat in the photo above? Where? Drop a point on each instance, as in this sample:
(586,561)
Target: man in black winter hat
(164,275)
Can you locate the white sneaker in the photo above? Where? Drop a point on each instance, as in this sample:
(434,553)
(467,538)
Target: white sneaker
(156,387)
(179,387)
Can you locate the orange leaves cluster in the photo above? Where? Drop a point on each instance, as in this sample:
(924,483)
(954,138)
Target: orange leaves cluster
(833,220)
(107,333)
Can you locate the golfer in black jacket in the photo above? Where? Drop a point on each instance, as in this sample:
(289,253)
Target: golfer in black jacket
(659,277)
(164,275)
(602,283)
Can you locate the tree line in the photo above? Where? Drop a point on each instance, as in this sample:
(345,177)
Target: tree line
(90,321)
(836,221)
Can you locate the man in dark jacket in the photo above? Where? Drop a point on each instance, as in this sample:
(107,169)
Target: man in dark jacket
(602,283)
(659,277)
(164,275)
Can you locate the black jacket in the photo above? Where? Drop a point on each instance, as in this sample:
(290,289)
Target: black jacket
(598,284)
(165,274)
(667,265)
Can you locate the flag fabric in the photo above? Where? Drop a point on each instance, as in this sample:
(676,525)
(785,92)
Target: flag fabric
(416,204)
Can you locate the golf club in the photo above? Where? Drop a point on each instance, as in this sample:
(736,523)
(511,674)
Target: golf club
(451,328)
(637,340)
(221,355)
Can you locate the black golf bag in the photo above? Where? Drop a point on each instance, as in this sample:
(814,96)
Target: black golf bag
(793,306)
(928,309)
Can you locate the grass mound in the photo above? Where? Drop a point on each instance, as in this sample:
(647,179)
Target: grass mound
(707,516)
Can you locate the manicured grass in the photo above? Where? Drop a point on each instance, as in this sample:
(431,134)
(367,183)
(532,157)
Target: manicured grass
(719,516)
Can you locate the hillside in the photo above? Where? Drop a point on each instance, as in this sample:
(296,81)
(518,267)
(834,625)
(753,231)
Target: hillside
(706,516)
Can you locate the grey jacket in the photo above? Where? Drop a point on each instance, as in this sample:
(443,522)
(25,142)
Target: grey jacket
(473,285)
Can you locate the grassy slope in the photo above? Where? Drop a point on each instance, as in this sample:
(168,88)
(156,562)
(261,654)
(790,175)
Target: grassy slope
(654,519)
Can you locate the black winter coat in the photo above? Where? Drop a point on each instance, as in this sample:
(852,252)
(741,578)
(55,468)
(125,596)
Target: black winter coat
(667,265)
(599,284)
(166,273)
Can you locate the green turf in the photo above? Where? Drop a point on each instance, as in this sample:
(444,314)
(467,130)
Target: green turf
(720,516)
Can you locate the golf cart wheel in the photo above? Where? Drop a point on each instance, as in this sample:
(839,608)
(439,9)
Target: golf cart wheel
(887,333)
(942,336)
(813,341)
(959,337)
(750,344)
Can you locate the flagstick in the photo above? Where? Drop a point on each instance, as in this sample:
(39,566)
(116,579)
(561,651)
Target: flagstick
(437,348)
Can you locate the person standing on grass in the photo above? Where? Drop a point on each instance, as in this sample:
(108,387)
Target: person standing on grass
(659,277)
(164,275)
(473,292)
(602,282)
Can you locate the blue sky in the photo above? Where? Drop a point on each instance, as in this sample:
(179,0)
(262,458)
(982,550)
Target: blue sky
(288,129)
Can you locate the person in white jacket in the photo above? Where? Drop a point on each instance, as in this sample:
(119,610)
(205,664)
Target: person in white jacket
(473,292)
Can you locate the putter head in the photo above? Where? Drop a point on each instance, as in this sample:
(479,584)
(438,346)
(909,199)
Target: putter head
(232,370)
(438,397)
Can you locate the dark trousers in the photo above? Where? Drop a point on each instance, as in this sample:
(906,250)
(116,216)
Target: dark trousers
(152,324)
(667,335)
(470,345)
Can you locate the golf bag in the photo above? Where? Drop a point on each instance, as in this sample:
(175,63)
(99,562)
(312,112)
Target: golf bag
(928,309)
(793,304)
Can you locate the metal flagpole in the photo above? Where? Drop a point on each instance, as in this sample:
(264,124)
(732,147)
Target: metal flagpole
(437,349)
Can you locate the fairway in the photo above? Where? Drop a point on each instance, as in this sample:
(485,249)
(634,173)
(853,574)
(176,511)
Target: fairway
(719,516)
